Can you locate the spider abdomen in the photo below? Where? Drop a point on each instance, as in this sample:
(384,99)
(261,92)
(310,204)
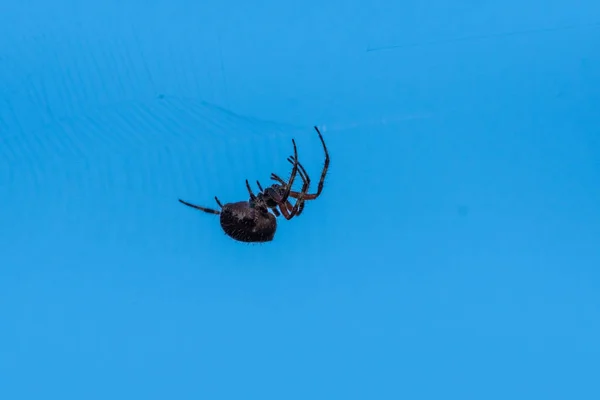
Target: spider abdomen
(247,224)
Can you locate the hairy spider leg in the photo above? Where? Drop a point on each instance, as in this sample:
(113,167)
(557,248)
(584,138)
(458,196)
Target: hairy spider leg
(302,170)
(305,183)
(205,209)
(299,201)
(324,172)
(309,196)
(312,196)
(288,188)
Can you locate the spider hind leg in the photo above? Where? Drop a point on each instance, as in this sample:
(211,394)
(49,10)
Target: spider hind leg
(205,209)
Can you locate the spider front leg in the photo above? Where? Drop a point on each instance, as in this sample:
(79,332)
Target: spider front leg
(312,196)
(303,174)
(305,179)
(305,185)
(323,173)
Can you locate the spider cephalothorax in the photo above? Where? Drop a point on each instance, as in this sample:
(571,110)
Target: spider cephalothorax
(255,220)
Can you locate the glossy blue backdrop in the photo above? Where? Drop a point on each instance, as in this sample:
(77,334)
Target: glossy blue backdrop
(455,251)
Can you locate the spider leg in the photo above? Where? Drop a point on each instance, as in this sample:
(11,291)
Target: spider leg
(287,213)
(293,194)
(205,209)
(295,210)
(306,184)
(259,186)
(277,178)
(325,168)
(290,211)
(218,202)
(312,196)
(288,186)
(302,171)
(285,206)
(252,196)
(299,206)
(290,208)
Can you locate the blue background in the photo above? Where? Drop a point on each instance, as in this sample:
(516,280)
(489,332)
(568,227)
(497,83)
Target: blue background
(454,253)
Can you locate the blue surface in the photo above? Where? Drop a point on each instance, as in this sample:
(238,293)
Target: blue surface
(454,253)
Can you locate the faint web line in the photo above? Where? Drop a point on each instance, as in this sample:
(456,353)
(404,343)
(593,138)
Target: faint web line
(484,36)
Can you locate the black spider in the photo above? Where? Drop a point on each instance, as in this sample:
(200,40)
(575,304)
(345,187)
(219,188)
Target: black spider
(251,221)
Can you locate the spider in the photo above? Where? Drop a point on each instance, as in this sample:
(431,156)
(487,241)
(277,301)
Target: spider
(254,221)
